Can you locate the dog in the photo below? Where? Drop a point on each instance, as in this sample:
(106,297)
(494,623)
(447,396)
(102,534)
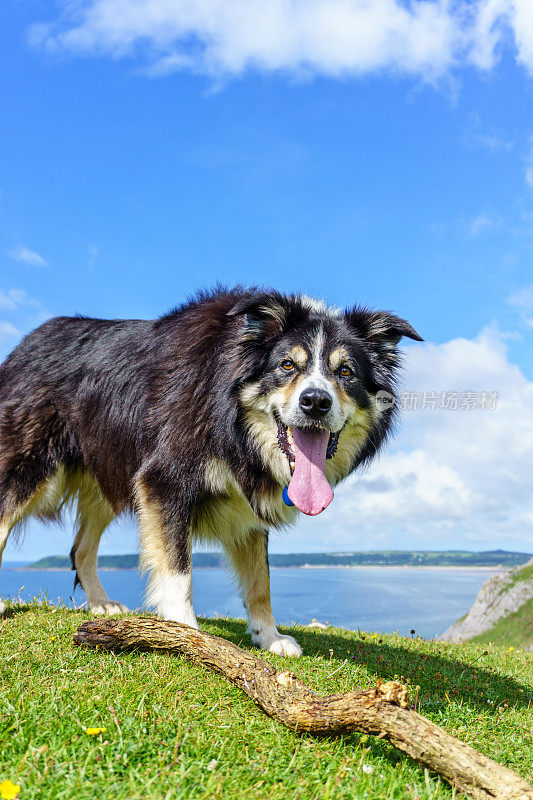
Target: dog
(216,422)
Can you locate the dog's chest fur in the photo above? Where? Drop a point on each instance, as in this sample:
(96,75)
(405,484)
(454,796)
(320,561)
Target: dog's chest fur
(225,511)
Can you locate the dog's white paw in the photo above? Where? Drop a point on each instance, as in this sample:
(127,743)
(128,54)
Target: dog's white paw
(2,606)
(286,646)
(270,639)
(108,608)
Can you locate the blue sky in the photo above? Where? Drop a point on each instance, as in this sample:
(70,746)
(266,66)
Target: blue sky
(141,160)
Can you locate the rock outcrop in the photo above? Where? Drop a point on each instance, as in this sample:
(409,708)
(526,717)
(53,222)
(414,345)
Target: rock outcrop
(500,595)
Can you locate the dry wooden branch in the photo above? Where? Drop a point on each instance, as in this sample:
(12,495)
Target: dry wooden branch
(382,711)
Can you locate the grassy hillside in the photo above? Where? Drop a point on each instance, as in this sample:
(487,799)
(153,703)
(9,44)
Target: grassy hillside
(502,611)
(513,630)
(172,731)
(400,558)
(523,574)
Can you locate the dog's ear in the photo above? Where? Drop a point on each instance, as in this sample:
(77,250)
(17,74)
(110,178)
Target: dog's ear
(380,327)
(266,314)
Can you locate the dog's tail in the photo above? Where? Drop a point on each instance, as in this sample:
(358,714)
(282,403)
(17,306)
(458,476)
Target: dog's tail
(77,581)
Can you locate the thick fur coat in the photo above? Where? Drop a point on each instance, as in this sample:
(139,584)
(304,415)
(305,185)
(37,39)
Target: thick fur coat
(196,422)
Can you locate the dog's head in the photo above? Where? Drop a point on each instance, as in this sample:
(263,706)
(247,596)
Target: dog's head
(311,399)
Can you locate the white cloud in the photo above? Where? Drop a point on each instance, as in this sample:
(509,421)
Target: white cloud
(477,136)
(7,331)
(14,299)
(522,22)
(25,312)
(523,300)
(7,302)
(487,31)
(474,226)
(480,223)
(426,38)
(22,253)
(461,476)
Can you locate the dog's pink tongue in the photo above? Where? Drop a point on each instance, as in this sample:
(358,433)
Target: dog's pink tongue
(309,489)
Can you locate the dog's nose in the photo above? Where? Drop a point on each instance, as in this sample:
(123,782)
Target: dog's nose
(315,402)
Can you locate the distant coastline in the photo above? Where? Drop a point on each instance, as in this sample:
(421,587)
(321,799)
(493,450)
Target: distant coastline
(453,559)
(477,567)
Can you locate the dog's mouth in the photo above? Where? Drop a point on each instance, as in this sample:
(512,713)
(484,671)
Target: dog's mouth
(307,450)
(286,441)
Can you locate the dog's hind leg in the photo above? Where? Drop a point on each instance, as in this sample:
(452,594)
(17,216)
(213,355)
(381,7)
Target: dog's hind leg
(249,559)
(165,537)
(93,516)
(28,497)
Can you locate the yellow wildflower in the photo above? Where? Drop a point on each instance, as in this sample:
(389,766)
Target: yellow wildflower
(9,790)
(94,731)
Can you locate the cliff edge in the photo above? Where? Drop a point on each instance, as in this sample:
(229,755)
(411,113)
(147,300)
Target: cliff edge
(502,612)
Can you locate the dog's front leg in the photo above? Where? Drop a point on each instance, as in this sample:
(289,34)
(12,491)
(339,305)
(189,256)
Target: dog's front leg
(249,558)
(164,532)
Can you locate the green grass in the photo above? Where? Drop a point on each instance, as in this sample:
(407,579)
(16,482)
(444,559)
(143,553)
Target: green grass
(173,730)
(512,629)
(520,574)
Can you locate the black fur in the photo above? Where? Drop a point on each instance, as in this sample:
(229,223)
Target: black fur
(151,401)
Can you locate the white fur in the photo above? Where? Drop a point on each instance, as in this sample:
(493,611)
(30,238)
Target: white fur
(293,416)
(171,593)
(318,306)
(234,514)
(268,638)
(108,608)
(232,523)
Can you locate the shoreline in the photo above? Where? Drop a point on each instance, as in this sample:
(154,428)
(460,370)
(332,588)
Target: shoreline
(474,567)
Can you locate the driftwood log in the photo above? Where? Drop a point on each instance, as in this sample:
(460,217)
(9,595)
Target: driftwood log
(383,711)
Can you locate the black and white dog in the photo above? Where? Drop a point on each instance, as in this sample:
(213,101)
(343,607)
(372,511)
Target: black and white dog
(215,422)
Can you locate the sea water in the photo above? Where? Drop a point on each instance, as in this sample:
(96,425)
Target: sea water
(384,599)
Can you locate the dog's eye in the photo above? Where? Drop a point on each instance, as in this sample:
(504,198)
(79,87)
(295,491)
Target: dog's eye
(287,365)
(345,372)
